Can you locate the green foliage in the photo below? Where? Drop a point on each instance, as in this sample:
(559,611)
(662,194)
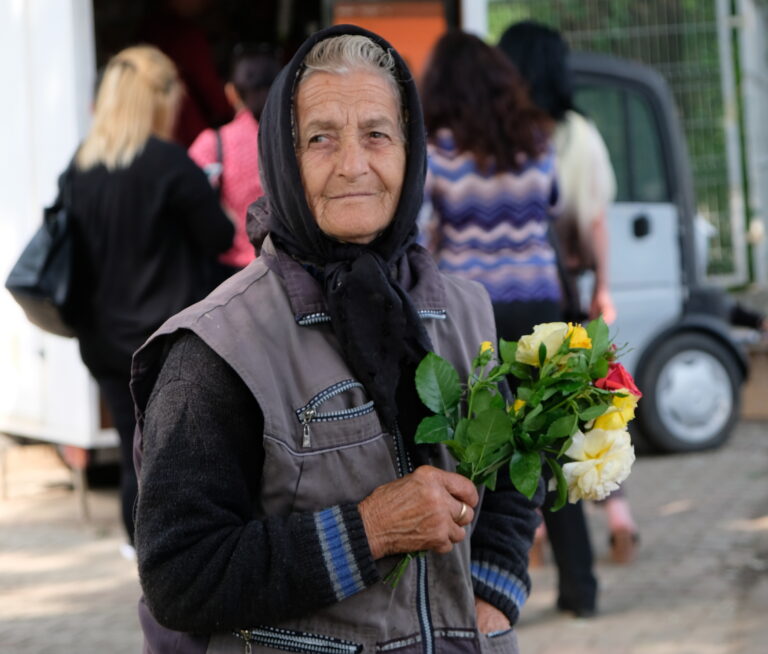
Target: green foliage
(562,486)
(437,384)
(525,472)
(485,434)
(434,429)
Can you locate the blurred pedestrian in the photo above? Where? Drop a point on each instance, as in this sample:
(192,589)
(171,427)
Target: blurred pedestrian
(229,155)
(588,187)
(147,228)
(176,28)
(493,190)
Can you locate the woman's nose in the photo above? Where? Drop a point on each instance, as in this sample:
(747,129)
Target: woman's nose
(353,158)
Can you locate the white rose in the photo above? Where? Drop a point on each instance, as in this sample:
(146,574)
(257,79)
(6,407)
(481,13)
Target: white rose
(602,459)
(552,334)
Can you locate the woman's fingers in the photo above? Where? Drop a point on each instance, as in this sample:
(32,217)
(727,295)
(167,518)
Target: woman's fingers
(425,510)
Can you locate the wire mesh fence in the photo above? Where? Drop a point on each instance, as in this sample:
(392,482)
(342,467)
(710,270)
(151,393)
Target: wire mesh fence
(680,39)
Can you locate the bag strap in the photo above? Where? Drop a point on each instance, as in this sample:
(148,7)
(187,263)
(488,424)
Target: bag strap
(219,159)
(64,197)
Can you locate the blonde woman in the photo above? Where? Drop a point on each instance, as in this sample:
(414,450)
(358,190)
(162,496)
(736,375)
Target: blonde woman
(148,230)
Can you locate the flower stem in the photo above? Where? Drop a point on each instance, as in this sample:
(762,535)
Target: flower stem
(393,577)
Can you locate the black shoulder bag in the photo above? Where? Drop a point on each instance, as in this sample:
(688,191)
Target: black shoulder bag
(41,281)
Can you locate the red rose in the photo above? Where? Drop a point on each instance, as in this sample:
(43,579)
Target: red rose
(617,378)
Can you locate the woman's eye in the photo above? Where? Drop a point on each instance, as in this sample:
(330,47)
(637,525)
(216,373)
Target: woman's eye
(318,138)
(378,135)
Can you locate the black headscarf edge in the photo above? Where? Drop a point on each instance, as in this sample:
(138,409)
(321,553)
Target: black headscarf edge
(291,221)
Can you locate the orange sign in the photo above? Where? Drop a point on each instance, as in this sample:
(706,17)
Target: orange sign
(412,28)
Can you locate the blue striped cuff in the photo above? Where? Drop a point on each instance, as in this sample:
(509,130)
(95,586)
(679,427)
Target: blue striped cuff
(340,562)
(505,586)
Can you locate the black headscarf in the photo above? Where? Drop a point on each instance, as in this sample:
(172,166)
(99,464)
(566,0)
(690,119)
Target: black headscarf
(377,326)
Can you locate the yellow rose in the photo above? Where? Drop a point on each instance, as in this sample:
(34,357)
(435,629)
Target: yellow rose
(552,334)
(602,459)
(519,404)
(485,346)
(579,336)
(621,411)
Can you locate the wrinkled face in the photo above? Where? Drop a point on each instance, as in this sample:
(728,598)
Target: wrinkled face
(351,153)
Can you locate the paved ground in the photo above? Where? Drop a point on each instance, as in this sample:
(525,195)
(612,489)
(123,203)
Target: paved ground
(699,585)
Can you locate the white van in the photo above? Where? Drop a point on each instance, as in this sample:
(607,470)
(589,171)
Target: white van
(682,353)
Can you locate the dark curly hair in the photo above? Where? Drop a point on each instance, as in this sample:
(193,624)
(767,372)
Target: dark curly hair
(472,89)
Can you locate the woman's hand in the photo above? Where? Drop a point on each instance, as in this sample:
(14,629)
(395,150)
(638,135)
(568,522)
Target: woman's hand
(425,510)
(602,305)
(489,618)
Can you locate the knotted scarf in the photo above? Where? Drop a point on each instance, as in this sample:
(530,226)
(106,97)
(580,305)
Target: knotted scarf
(377,326)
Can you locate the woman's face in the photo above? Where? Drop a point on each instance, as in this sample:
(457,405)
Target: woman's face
(351,153)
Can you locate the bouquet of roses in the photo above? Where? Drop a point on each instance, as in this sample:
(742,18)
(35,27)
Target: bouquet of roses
(572,402)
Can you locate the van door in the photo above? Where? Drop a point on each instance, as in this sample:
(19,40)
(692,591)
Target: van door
(645,268)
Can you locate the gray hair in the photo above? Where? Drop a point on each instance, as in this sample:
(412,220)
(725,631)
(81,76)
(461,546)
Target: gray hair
(340,55)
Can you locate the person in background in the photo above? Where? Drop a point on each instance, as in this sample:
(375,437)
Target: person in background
(280,480)
(229,155)
(147,230)
(174,26)
(493,193)
(588,188)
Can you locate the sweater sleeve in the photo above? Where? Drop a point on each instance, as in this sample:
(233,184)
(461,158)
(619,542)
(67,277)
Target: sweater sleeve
(194,203)
(206,564)
(500,544)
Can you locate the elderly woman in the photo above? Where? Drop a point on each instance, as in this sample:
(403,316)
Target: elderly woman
(279,477)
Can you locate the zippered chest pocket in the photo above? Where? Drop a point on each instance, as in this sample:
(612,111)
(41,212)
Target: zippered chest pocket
(338,415)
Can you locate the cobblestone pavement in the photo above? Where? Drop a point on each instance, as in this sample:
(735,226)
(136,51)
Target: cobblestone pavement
(698,586)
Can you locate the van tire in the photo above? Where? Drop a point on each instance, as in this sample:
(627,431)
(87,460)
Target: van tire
(691,388)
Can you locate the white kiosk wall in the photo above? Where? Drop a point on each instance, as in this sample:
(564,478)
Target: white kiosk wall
(48,64)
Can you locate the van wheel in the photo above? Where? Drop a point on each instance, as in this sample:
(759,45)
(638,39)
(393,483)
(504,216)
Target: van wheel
(691,394)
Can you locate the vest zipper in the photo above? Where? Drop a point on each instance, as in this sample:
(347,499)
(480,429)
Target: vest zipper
(404,466)
(296,641)
(306,418)
(321,317)
(310,413)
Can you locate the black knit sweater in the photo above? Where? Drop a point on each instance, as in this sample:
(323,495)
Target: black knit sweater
(207,565)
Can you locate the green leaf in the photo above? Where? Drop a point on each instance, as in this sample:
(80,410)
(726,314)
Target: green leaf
(592,412)
(529,418)
(437,384)
(542,353)
(508,351)
(537,422)
(433,429)
(498,402)
(521,371)
(562,484)
(483,399)
(490,480)
(597,330)
(599,369)
(564,447)
(456,449)
(562,428)
(486,433)
(525,472)
(460,432)
(464,469)
(526,440)
(568,387)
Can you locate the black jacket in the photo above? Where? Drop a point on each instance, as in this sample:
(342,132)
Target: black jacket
(146,238)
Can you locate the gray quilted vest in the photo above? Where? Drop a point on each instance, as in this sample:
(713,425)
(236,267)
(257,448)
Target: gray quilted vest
(324,445)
